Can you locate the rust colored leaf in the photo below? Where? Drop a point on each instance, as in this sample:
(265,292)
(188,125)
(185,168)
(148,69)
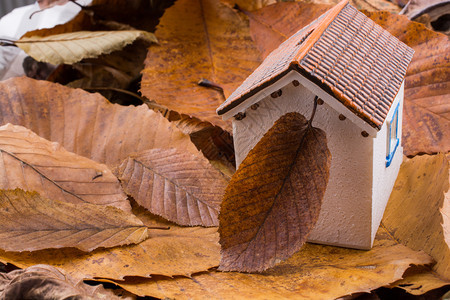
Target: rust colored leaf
(201,39)
(47,282)
(85,123)
(426,116)
(181,187)
(31,222)
(368,5)
(273,200)
(250,5)
(177,251)
(315,272)
(413,214)
(32,163)
(274,24)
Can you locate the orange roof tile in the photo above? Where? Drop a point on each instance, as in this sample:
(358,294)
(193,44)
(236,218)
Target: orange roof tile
(347,55)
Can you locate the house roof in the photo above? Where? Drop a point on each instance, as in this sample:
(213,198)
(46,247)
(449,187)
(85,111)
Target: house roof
(346,54)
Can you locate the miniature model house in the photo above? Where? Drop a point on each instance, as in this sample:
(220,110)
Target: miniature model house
(357,70)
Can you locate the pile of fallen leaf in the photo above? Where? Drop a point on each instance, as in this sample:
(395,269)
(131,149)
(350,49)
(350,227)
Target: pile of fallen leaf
(126,190)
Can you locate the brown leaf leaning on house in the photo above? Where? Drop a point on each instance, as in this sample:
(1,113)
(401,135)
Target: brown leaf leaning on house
(273,200)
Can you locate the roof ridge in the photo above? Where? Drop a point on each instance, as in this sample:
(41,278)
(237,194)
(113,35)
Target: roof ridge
(317,32)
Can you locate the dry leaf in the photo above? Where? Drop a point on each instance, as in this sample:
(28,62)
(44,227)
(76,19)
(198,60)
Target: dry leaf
(315,272)
(274,198)
(47,282)
(202,39)
(32,163)
(445,211)
(31,222)
(250,5)
(82,22)
(415,8)
(274,24)
(85,123)
(177,251)
(368,5)
(412,214)
(427,108)
(69,48)
(181,187)
(214,142)
(421,283)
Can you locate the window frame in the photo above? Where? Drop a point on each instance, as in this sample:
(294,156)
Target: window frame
(392,143)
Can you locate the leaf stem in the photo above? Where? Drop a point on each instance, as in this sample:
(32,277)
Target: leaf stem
(313,112)
(159,227)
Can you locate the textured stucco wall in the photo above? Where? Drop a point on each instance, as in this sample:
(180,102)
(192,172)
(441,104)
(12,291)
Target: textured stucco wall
(346,215)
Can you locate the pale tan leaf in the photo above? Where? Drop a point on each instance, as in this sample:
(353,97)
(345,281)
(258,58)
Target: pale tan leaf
(32,163)
(315,272)
(31,222)
(201,39)
(181,187)
(445,211)
(87,124)
(69,48)
(412,214)
(177,251)
(273,200)
(47,282)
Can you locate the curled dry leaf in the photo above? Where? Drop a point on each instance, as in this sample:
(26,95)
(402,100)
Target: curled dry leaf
(315,272)
(85,123)
(426,116)
(181,187)
(32,163)
(31,222)
(177,251)
(47,282)
(274,198)
(445,211)
(413,214)
(69,48)
(202,39)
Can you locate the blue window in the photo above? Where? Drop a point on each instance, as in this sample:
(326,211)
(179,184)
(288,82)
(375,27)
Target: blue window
(393,138)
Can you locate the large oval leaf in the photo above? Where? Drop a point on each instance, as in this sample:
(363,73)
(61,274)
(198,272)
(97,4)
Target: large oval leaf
(274,199)
(176,251)
(31,222)
(69,48)
(87,124)
(181,187)
(201,39)
(32,163)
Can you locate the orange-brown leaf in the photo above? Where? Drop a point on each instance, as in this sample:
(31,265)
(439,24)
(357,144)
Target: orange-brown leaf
(85,123)
(315,272)
(31,222)
(32,163)
(413,214)
(181,187)
(273,24)
(426,120)
(201,39)
(273,200)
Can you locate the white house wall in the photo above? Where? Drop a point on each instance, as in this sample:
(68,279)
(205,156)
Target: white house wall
(346,215)
(384,177)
